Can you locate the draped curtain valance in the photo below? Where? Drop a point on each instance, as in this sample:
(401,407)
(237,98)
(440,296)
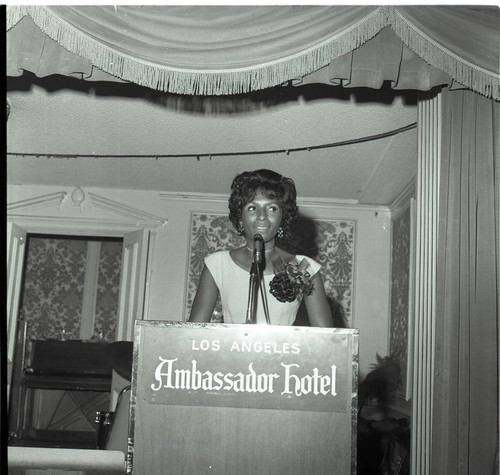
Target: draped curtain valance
(214,50)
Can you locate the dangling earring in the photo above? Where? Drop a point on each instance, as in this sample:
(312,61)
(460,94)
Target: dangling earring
(280,233)
(241,229)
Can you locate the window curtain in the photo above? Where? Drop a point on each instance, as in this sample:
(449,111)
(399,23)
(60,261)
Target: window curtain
(465,411)
(214,50)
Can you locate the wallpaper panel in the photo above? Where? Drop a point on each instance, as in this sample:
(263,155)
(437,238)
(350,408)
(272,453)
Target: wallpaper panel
(53,289)
(108,289)
(400,290)
(330,242)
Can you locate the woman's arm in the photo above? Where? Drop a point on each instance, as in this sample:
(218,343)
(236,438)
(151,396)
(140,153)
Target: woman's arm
(317,306)
(205,298)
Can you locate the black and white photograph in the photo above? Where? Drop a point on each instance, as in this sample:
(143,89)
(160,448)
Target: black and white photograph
(252,238)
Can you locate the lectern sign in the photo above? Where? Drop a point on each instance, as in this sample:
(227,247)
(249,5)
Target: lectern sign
(282,396)
(262,367)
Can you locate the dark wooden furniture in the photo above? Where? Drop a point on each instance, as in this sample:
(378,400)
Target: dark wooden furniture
(81,372)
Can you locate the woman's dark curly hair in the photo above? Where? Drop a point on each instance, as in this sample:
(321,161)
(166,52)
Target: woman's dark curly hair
(273,186)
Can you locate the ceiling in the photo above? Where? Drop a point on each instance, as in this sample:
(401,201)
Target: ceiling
(63,131)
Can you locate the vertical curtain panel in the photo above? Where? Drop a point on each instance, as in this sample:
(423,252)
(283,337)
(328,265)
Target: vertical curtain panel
(214,50)
(465,418)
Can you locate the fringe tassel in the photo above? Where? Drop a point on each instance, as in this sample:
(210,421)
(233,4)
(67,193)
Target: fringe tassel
(204,82)
(465,73)
(274,73)
(14,15)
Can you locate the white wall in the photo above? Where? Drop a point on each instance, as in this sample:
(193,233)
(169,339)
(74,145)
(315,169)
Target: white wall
(171,252)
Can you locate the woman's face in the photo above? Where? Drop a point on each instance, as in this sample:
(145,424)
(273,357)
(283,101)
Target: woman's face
(262,215)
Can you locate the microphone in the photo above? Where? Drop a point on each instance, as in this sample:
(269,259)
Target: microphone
(258,246)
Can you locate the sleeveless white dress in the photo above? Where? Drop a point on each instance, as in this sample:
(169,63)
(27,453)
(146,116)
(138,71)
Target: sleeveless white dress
(233,284)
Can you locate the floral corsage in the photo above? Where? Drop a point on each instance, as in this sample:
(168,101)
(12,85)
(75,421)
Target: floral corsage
(291,280)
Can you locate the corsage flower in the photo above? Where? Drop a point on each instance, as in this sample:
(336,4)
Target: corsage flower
(291,280)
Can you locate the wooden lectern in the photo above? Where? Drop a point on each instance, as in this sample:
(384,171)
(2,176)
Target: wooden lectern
(242,399)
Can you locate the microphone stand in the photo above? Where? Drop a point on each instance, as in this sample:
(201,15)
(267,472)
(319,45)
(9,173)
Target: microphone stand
(253,287)
(264,301)
(255,282)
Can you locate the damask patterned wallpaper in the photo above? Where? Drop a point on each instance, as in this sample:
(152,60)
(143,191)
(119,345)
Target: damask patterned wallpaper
(108,287)
(53,288)
(400,289)
(330,242)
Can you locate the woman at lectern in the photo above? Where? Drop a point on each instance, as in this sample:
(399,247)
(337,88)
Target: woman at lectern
(262,208)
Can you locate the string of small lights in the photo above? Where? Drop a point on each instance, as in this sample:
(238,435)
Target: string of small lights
(198,156)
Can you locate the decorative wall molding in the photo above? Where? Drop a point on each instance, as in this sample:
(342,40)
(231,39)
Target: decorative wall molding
(43,201)
(128,211)
(205,197)
(302,202)
(69,225)
(402,201)
(22,211)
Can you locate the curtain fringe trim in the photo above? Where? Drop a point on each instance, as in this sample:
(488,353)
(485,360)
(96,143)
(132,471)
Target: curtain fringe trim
(200,82)
(477,79)
(274,73)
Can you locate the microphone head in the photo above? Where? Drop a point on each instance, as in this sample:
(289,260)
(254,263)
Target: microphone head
(258,244)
